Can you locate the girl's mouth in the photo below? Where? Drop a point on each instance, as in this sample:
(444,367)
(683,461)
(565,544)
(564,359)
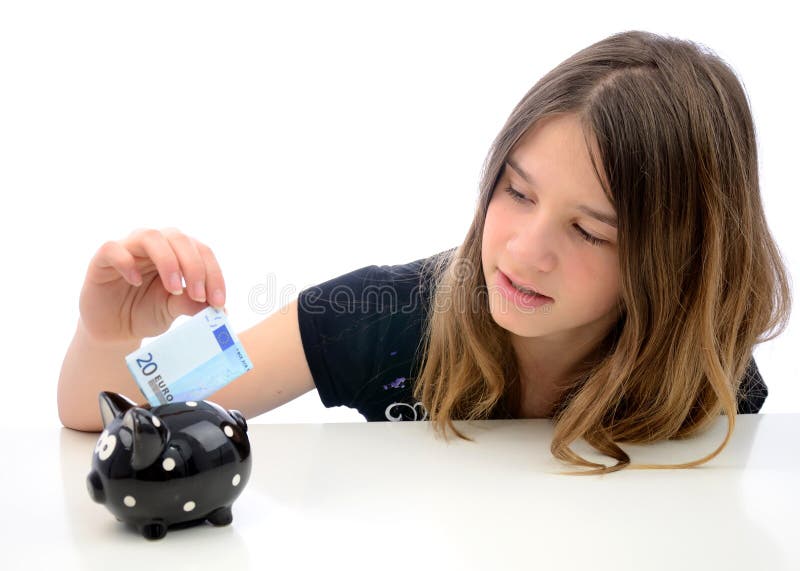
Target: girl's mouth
(522,296)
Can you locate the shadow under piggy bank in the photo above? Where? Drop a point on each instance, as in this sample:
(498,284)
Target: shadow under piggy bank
(173,465)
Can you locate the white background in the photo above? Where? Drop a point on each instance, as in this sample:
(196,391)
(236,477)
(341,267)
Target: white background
(301,141)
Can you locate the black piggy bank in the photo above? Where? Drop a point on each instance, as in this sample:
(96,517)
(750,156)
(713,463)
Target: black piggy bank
(173,465)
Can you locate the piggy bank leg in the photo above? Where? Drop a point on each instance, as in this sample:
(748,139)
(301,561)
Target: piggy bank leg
(154,530)
(221,516)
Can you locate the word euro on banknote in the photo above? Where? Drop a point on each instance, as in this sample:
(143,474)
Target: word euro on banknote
(191,361)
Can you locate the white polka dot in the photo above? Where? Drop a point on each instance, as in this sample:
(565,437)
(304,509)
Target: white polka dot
(130,501)
(156,422)
(236,479)
(191,403)
(188,506)
(228,431)
(168,464)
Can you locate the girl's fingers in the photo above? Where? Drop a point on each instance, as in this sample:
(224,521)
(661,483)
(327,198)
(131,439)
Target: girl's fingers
(191,263)
(153,244)
(215,283)
(113,259)
(174,254)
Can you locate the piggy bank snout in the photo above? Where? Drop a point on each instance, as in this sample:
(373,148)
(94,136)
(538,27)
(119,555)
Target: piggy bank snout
(95,487)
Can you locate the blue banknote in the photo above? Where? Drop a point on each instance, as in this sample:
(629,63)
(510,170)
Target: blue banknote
(191,361)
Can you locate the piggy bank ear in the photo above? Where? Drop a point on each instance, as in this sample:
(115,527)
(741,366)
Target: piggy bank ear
(112,405)
(239,418)
(150,436)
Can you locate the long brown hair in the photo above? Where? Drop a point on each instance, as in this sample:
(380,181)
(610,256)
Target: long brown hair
(702,280)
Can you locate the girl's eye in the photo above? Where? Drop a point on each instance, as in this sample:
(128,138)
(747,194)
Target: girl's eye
(519,197)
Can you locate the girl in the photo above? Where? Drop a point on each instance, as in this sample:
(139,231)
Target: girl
(616,276)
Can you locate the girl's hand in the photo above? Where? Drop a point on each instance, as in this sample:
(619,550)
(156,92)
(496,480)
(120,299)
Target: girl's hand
(133,286)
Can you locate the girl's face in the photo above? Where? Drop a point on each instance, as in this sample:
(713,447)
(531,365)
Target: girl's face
(539,234)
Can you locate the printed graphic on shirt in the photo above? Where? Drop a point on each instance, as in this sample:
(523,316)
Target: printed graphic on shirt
(398,383)
(398,411)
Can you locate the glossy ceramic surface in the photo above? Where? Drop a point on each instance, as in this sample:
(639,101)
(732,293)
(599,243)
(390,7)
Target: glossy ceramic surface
(172,465)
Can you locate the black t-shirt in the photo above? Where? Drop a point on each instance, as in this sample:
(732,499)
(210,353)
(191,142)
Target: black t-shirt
(362,331)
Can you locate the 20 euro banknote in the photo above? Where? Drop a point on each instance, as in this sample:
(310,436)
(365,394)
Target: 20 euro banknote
(191,361)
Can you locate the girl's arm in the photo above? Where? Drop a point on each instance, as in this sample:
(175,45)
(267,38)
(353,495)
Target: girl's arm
(280,372)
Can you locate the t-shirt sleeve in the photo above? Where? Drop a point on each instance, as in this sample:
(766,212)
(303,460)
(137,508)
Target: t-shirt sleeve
(360,333)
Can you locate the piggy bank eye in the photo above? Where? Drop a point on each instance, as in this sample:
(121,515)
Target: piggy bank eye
(100,440)
(105,445)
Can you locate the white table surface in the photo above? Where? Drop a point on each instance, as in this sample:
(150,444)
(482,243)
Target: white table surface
(393,496)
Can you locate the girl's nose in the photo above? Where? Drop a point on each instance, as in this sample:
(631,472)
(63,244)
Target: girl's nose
(533,246)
